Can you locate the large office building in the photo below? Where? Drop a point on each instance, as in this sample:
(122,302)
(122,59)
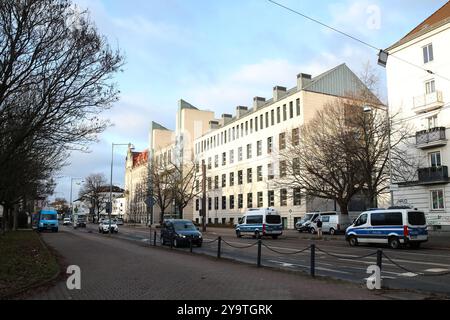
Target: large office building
(241,152)
(418,74)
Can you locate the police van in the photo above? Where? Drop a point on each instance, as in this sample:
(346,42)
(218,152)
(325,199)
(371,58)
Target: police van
(394,227)
(260,222)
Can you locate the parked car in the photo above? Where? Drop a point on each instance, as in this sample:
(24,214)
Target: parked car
(181,232)
(260,222)
(395,227)
(103,227)
(66,221)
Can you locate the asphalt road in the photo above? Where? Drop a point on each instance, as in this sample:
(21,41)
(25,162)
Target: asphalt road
(407,269)
(113,268)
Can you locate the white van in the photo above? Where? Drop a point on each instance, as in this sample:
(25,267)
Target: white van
(393,227)
(260,222)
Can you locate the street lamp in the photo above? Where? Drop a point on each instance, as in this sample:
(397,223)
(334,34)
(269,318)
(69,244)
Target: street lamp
(367,109)
(109,207)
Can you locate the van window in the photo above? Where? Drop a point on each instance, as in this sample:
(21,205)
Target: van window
(273,219)
(416,218)
(254,219)
(361,220)
(387,219)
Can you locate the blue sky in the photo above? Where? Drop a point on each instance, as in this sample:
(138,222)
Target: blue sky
(220,54)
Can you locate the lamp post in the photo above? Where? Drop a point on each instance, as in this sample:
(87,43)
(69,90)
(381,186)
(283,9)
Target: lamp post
(109,207)
(367,109)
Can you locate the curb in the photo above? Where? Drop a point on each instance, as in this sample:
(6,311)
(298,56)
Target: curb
(35,285)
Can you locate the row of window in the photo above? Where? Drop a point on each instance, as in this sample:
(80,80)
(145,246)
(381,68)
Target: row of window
(282,141)
(283,171)
(283,197)
(248,127)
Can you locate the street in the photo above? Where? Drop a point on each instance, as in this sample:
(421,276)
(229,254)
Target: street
(114,269)
(118,268)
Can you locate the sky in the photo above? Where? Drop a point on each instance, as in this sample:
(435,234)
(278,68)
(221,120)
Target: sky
(220,54)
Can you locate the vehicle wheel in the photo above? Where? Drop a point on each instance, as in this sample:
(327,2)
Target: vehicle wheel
(414,245)
(332,231)
(394,243)
(353,241)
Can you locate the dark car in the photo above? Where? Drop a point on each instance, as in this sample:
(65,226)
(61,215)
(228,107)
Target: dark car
(181,232)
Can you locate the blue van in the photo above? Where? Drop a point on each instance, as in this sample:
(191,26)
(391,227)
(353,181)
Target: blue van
(48,220)
(394,227)
(260,222)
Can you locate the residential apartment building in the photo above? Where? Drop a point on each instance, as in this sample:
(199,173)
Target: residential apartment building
(421,99)
(241,153)
(136,172)
(168,147)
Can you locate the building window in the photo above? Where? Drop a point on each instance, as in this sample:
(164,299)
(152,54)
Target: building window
(269,145)
(224,158)
(240,177)
(435,159)
(428,55)
(260,199)
(283,168)
(240,201)
(224,203)
(216,203)
(271,198)
(295,137)
(283,197)
(216,182)
(249,175)
(259,148)
(437,199)
(249,151)
(282,141)
(240,154)
(231,202)
(231,156)
(291,110)
(259,173)
(224,180)
(278,115)
(231,179)
(297,197)
(270,174)
(297,105)
(430,86)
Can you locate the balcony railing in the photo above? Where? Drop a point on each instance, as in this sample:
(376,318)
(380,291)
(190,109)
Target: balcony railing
(431,138)
(433,175)
(428,102)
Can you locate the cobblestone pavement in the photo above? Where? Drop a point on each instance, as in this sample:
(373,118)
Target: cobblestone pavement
(114,269)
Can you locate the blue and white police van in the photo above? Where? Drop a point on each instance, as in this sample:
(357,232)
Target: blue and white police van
(260,222)
(395,227)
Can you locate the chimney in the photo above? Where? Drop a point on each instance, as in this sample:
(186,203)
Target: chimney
(213,124)
(278,93)
(240,111)
(258,102)
(226,118)
(303,80)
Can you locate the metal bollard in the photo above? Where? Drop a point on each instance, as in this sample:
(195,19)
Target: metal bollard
(219,246)
(190,245)
(259,253)
(313,260)
(154,238)
(379,258)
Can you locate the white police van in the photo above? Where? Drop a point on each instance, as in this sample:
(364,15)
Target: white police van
(260,222)
(394,227)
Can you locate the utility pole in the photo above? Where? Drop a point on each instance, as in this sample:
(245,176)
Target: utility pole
(204,196)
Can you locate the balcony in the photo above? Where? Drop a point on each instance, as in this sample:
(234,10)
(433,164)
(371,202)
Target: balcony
(433,175)
(428,102)
(434,137)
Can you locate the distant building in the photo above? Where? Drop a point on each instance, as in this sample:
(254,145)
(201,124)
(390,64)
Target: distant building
(422,100)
